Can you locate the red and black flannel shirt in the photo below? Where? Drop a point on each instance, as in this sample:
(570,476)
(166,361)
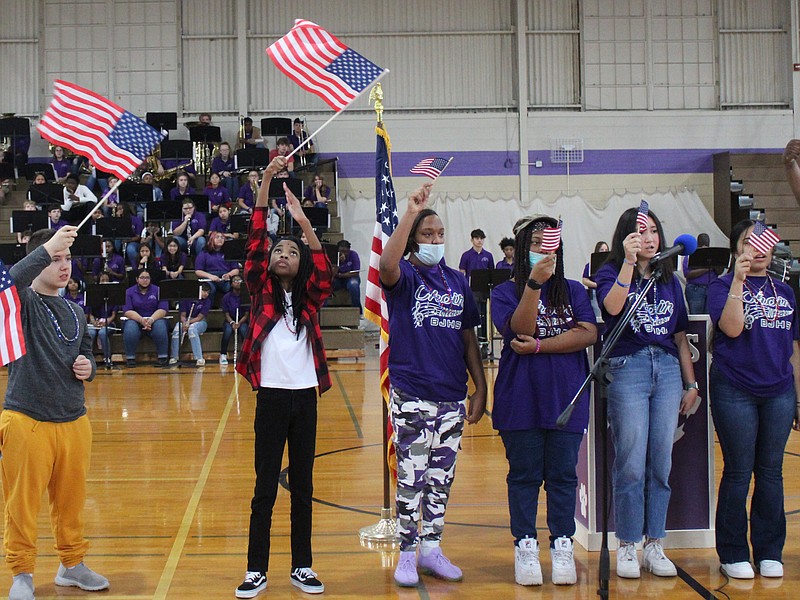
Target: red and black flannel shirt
(262,311)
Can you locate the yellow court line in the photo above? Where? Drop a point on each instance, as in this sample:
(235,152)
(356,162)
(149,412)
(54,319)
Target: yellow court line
(188,516)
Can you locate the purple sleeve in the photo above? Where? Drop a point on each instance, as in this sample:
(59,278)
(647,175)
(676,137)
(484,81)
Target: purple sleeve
(682,320)
(504,303)
(586,271)
(355,260)
(200,261)
(462,264)
(605,278)
(717,297)
(128,299)
(579,300)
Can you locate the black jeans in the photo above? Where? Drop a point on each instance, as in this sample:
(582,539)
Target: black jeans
(283,415)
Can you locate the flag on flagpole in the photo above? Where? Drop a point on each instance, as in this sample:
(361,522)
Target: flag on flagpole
(551,238)
(115,140)
(431,167)
(641,217)
(375,308)
(762,238)
(319,63)
(12,343)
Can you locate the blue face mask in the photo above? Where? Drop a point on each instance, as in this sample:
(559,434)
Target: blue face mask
(535,257)
(430,254)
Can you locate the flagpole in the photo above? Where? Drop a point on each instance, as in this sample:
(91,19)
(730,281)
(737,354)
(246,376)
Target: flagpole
(383,534)
(334,115)
(103,200)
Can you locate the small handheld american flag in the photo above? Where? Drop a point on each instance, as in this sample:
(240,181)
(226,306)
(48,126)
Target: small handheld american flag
(431,167)
(762,238)
(551,238)
(641,217)
(12,343)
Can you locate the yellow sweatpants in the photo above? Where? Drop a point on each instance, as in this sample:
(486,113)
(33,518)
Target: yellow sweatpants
(39,456)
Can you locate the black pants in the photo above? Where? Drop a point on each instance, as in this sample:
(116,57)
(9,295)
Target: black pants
(283,415)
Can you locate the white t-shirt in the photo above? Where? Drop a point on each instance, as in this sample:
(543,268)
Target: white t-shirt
(286,361)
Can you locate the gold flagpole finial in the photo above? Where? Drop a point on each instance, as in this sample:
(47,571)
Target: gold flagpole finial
(376,100)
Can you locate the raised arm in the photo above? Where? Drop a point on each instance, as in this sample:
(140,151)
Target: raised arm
(790,157)
(396,245)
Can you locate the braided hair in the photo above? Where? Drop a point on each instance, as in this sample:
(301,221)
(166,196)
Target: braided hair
(299,294)
(557,292)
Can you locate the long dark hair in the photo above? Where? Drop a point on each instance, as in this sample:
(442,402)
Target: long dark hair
(737,231)
(558,292)
(299,295)
(411,243)
(171,261)
(627,225)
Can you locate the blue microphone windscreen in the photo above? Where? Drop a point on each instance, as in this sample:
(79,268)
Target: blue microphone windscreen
(689,243)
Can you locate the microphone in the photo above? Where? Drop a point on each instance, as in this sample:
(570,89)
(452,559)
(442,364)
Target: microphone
(684,245)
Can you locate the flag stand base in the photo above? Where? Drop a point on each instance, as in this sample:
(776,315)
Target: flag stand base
(383,532)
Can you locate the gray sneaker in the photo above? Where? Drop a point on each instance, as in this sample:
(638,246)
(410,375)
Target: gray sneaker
(22,588)
(81,576)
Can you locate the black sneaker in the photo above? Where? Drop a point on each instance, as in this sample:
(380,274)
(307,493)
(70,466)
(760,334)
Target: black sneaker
(130,363)
(305,579)
(254,583)
(163,362)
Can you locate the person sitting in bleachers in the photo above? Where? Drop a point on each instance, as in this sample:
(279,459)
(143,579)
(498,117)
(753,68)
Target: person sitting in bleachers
(146,315)
(216,193)
(78,199)
(182,187)
(222,223)
(173,260)
(307,153)
(212,266)
(101,317)
(283,149)
(190,231)
(60,164)
(237,317)
(252,136)
(112,263)
(56,222)
(193,324)
(318,193)
(348,274)
(247,193)
(225,164)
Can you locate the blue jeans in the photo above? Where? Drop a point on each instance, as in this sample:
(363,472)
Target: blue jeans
(195,330)
(696,298)
(132,333)
(105,340)
(352,285)
(752,433)
(197,246)
(643,403)
(223,286)
(535,456)
(227,334)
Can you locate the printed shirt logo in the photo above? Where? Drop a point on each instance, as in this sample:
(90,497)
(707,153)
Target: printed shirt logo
(651,317)
(763,310)
(550,324)
(443,309)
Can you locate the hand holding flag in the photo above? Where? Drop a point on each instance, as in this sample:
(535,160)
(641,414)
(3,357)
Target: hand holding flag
(762,238)
(641,217)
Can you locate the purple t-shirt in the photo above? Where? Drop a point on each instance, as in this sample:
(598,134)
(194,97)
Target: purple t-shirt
(532,390)
(213,262)
(471,260)
(115,262)
(659,317)
(144,303)
(61,167)
(175,193)
(198,221)
(704,279)
(231,301)
(757,360)
(218,165)
(218,195)
(218,225)
(246,194)
(502,264)
(196,306)
(429,307)
(80,300)
(351,263)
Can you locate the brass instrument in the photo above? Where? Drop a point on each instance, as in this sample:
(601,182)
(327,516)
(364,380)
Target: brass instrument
(203,154)
(241,143)
(170,173)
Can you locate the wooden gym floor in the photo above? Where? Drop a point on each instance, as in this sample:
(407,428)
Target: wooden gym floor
(171,480)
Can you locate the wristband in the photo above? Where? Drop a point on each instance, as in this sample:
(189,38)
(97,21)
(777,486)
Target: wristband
(625,285)
(691,386)
(630,263)
(538,346)
(734,296)
(534,285)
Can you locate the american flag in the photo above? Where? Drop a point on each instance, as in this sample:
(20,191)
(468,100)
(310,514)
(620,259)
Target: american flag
(641,217)
(115,140)
(12,343)
(319,63)
(374,302)
(762,238)
(551,238)
(431,167)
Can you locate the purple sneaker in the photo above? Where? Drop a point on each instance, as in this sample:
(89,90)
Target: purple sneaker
(405,574)
(436,564)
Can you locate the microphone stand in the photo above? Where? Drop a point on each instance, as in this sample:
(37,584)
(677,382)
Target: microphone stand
(599,374)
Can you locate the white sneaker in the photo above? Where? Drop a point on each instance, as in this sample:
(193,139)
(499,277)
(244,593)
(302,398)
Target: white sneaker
(201,362)
(770,568)
(627,562)
(738,570)
(223,359)
(173,361)
(562,558)
(527,570)
(655,560)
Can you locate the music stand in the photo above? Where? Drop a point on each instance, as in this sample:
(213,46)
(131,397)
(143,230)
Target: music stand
(179,289)
(46,169)
(482,282)
(176,149)
(47,193)
(332,250)
(251,158)
(28,220)
(12,253)
(318,217)
(114,228)
(205,134)
(15,127)
(276,187)
(163,211)
(87,246)
(239,223)
(597,260)
(710,258)
(135,193)
(201,203)
(98,174)
(162,120)
(107,294)
(234,250)
(276,126)
(7,171)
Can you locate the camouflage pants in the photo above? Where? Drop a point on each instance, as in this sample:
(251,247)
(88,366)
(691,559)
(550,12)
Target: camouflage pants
(427,440)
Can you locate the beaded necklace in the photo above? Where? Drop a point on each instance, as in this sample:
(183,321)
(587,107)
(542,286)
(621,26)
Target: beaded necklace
(645,305)
(64,339)
(287,302)
(428,288)
(759,297)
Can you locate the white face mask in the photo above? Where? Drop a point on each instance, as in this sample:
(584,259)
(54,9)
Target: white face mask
(430,254)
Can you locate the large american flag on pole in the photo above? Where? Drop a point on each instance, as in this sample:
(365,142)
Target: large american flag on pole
(115,140)
(375,308)
(12,343)
(319,63)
